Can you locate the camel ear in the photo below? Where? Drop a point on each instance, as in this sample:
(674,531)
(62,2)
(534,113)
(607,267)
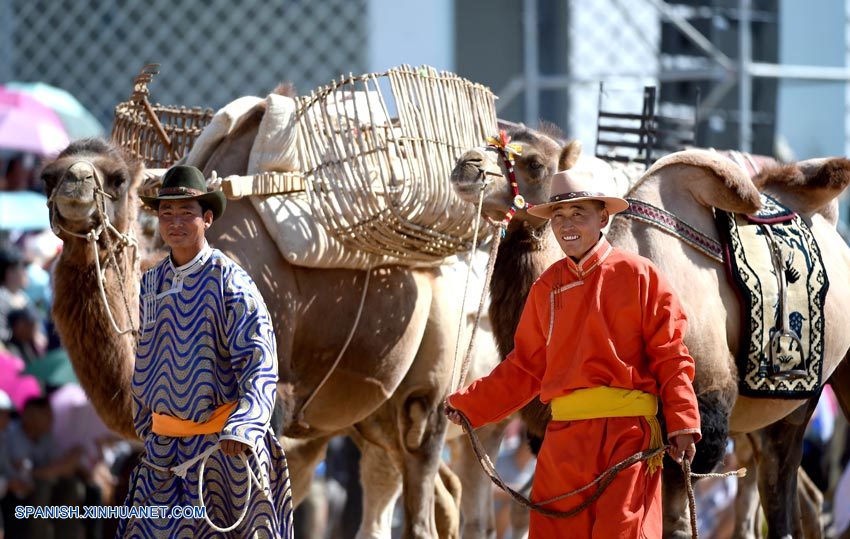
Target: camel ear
(713,180)
(569,155)
(812,184)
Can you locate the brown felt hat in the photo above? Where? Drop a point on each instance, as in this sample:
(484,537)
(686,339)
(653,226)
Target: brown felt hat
(183,182)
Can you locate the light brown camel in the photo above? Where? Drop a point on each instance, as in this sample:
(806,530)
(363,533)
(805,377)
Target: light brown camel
(378,436)
(388,386)
(687,188)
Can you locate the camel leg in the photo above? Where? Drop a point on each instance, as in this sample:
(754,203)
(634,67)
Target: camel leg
(677,523)
(781,453)
(476,504)
(419,413)
(447,493)
(302,456)
(747,515)
(381,480)
(747,521)
(714,409)
(811,501)
(840,382)
(421,464)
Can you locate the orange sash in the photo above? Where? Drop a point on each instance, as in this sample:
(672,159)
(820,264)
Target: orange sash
(166,425)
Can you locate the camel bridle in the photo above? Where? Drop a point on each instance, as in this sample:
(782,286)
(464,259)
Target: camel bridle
(93,236)
(506,151)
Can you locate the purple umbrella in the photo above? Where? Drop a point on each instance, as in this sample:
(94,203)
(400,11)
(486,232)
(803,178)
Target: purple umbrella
(28,126)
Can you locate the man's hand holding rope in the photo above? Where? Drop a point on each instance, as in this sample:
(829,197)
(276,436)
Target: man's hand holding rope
(682,445)
(453,415)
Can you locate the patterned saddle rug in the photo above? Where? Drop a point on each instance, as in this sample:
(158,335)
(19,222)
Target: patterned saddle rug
(775,263)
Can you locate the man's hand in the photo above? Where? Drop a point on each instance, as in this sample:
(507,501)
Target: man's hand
(453,415)
(231,448)
(683,445)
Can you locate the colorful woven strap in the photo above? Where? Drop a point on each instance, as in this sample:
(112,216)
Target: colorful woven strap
(666,221)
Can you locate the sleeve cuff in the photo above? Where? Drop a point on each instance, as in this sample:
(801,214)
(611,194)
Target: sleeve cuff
(696,432)
(235,438)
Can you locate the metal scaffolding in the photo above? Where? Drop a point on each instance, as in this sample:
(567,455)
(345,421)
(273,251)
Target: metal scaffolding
(727,72)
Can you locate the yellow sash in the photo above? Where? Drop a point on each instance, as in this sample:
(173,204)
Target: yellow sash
(602,402)
(166,425)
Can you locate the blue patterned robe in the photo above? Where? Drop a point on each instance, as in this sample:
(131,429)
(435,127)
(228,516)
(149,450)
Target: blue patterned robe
(207,340)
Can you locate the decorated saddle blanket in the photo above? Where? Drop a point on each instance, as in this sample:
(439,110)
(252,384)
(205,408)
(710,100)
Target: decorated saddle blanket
(775,264)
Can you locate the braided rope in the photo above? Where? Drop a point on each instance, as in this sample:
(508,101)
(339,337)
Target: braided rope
(601,482)
(491,262)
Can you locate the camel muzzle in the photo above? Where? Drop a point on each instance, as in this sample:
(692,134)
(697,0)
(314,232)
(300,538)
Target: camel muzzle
(472,174)
(74,197)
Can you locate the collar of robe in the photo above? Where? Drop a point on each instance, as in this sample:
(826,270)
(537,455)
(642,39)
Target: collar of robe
(195,264)
(591,260)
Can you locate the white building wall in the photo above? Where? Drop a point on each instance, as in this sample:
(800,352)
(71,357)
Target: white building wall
(410,32)
(811,115)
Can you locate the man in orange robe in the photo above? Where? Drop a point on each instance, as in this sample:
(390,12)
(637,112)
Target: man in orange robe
(600,339)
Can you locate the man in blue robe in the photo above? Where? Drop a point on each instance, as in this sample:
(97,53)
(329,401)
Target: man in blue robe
(204,384)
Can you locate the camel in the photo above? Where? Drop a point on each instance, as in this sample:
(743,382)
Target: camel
(389,385)
(687,184)
(381,429)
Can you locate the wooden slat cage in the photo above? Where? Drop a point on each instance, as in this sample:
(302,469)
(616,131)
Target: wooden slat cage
(157,134)
(377,152)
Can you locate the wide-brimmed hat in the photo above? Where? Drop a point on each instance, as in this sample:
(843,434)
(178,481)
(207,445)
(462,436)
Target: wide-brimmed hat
(575,186)
(183,182)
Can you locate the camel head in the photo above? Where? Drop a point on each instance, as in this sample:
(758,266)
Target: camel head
(91,179)
(539,155)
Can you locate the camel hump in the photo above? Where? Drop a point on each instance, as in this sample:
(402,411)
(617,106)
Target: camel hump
(812,184)
(712,179)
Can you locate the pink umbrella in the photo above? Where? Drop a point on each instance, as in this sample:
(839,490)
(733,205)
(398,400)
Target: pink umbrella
(75,423)
(15,383)
(28,126)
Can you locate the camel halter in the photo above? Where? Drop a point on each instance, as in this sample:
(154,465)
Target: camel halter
(93,236)
(507,151)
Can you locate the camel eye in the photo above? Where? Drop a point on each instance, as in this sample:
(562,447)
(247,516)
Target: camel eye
(535,165)
(118,180)
(49,181)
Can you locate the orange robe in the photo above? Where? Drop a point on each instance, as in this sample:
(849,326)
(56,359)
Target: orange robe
(609,320)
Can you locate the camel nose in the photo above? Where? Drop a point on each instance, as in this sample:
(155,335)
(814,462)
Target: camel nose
(469,167)
(475,156)
(80,171)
